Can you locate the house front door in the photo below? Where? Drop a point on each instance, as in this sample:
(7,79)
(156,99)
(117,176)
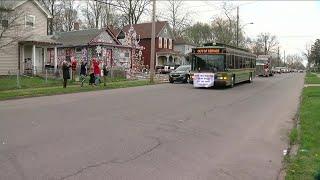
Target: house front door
(39,60)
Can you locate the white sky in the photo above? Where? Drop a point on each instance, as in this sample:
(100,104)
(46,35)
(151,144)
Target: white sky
(295,23)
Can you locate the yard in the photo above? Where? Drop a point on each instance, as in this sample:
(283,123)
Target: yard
(312,78)
(37,86)
(306,164)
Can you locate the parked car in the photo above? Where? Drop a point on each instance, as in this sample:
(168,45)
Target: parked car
(301,71)
(277,70)
(166,68)
(181,74)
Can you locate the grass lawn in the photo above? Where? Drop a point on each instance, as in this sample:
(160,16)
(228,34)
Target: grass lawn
(44,91)
(306,164)
(312,79)
(10,82)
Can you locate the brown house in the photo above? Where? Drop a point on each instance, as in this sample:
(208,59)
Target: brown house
(164,47)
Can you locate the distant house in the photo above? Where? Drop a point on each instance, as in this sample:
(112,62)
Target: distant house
(185,48)
(25,45)
(101,43)
(164,44)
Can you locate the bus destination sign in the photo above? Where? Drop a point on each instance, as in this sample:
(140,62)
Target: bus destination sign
(206,50)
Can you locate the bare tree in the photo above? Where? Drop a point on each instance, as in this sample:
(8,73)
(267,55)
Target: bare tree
(177,16)
(69,14)
(93,12)
(294,61)
(132,10)
(307,54)
(265,43)
(51,5)
(9,24)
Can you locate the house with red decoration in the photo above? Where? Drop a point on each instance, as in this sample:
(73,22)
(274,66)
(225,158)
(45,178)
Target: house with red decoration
(165,55)
(99,43)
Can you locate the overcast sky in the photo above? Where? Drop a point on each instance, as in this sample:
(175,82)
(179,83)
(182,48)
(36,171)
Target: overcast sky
(295,23)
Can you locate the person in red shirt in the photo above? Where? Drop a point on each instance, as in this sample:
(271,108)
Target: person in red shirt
(96,70)
(73,67)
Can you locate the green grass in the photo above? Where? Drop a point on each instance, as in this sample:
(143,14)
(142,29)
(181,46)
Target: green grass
(312,78)
(293,136)
(45,91)
(306,164)
(10,82)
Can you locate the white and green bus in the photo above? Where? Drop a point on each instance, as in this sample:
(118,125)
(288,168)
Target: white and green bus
(217,64)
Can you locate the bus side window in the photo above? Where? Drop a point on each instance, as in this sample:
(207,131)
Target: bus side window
(236,60)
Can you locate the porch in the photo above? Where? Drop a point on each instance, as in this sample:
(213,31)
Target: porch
(36,53)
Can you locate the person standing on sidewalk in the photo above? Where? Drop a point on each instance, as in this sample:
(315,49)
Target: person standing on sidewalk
(83,72)
(65,72)
(105,74)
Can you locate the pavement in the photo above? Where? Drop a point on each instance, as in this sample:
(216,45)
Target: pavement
(158,132)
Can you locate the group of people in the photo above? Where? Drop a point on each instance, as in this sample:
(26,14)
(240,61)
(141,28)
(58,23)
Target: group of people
(94,71)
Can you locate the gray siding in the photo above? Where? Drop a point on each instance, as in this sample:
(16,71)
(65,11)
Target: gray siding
(9,55)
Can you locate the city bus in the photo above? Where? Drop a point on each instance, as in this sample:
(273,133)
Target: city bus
(217,64)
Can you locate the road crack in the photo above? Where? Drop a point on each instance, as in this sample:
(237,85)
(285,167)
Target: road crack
(114,161)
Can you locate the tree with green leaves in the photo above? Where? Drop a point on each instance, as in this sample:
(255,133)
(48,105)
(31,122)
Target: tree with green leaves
(315,54)
(199,33)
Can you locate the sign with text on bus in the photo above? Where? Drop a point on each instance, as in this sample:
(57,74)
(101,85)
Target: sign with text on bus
(203,80)
(207,51)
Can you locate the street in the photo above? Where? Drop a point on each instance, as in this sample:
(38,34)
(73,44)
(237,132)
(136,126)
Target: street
(158,132)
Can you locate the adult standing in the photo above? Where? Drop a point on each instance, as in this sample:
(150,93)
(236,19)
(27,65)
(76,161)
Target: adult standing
(65,72)
(105,74)
(96,70)
(83,72)
(73,67)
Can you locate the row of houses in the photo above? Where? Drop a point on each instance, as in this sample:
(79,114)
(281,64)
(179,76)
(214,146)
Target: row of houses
(28,49)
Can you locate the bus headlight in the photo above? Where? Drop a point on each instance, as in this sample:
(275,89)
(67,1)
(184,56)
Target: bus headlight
(225,78)
(220,78)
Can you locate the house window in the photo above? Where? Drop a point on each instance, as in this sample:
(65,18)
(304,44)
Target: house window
(165,44)
(160,42)
(170,43)
(4,19)
(30,20)
(126,54)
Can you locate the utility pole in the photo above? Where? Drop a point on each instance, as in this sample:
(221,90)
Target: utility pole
(265,44)
(153,41)
(284,57)
(238,26)
(278,56)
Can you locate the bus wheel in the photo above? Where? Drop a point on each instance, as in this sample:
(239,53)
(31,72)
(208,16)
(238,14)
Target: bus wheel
(232,82)
(250,78)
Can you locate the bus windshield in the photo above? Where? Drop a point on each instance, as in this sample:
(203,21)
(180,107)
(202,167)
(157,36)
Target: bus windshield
(261,62)
(208,63)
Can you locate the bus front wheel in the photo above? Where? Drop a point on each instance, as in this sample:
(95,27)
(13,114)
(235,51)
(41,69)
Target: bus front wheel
(250,78)
(232,82)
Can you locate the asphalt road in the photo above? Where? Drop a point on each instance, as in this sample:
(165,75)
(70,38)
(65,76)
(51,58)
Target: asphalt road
(160,132)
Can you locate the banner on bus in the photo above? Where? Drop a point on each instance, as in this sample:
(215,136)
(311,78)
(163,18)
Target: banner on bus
(203,79)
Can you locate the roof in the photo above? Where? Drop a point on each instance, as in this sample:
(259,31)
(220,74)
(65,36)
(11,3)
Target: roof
(181,40)
(81,37)
(77,38)
(115,31)
(13,4)
(144,29)
(40,39)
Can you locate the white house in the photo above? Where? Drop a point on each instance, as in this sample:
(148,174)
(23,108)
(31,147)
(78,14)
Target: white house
(25,43)
(185,48)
